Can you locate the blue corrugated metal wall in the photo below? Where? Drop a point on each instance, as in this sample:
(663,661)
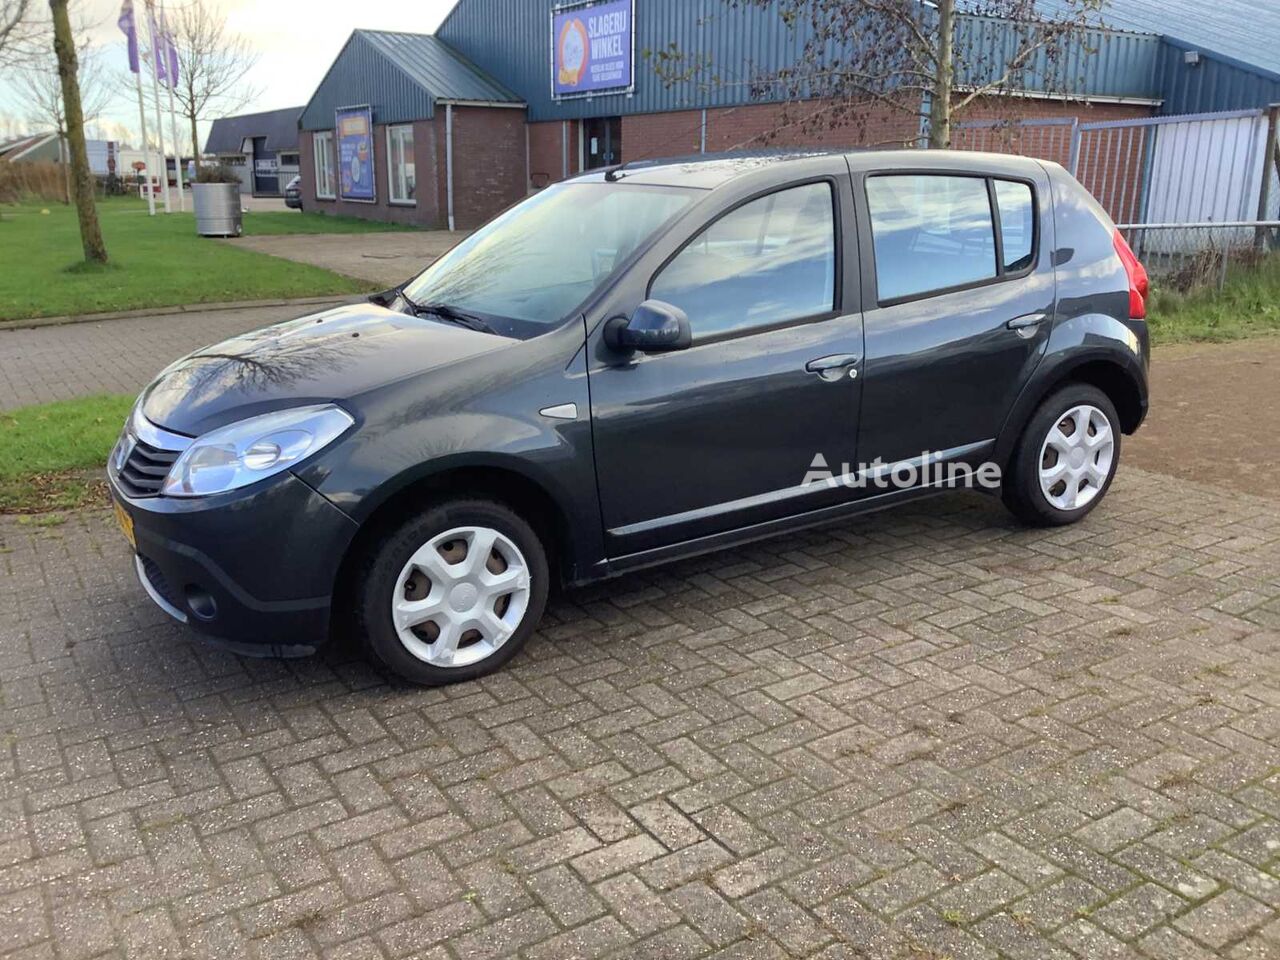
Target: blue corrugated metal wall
(1098,63)
(363,74)
(1215,83)
(512,40)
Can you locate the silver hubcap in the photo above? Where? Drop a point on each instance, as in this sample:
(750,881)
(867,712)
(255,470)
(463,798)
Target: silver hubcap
(1076,457)
(461,596)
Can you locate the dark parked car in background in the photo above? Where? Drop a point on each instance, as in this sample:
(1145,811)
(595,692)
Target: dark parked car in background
(293,193)
(630,367)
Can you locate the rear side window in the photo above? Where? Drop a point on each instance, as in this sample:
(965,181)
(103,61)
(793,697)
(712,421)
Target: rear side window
(770,261)
(935,232)
(1017,223)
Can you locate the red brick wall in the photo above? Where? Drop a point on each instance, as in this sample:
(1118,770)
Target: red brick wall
(488,162)
(546,151)
(759,125)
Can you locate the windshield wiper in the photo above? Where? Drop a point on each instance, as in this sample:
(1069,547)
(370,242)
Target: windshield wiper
(446,312)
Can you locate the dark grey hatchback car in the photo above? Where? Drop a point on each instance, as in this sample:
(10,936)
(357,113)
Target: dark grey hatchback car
(629,367)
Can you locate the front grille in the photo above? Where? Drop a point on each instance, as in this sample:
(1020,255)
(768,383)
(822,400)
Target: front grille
(143,473)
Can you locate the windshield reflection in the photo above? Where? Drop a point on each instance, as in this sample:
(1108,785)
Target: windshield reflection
(545,256)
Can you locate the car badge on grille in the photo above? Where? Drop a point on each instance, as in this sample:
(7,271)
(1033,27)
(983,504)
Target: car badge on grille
(124,449)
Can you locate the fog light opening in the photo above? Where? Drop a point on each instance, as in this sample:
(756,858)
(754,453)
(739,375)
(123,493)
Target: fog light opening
(201,604)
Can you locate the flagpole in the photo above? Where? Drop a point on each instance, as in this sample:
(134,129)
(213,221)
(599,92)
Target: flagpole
(128,22)
(173,118)
(146,148)
(155,90)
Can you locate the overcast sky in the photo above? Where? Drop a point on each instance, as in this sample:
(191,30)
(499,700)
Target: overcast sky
(296,43)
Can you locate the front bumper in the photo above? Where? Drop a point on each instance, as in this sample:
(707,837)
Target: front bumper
(254,568)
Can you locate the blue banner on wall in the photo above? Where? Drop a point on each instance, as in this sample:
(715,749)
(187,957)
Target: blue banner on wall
(593,48)
(354,127)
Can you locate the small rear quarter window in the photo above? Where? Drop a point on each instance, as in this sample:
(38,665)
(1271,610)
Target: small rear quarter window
(1017,223)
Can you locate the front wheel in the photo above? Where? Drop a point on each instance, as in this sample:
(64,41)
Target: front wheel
(1065,459)
(454,593)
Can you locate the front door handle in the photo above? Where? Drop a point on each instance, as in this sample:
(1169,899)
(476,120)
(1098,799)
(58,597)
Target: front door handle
(832,368)
(1025,324)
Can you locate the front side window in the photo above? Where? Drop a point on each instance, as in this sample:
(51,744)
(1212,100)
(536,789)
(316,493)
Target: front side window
(931,232)
(400,166)
(323,149)
(531,266)
(770,261)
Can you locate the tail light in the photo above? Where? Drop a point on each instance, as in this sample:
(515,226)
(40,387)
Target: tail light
(1139,283)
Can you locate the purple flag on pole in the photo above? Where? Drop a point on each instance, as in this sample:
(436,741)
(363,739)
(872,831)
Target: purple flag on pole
(130,28)
(159,57)
(171,51)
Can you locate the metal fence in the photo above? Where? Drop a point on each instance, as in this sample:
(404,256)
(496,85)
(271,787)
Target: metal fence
(1193,194)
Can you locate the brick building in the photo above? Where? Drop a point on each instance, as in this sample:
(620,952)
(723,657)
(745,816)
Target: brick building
(510,95)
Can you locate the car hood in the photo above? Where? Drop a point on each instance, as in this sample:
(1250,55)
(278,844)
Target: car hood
(324,357)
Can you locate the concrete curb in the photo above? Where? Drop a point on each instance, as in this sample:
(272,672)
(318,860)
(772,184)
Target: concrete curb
(170,311)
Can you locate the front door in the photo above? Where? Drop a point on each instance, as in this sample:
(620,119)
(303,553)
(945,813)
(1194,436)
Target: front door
(960,299)
(266,171)
(602,142)
(722,435)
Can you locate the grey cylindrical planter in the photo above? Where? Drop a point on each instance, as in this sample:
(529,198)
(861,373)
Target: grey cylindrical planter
(217,209)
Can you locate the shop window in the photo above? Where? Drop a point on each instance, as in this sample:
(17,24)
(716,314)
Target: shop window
(326,188)
(400,165)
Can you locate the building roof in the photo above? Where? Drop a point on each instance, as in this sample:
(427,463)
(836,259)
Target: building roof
(280,127)
(439,69)
(14,148)
(1243,30)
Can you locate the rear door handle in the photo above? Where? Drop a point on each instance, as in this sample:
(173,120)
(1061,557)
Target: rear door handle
(1028,321)
(833,367)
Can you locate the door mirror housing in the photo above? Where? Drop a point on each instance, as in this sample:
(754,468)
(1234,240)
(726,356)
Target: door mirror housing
(655,327)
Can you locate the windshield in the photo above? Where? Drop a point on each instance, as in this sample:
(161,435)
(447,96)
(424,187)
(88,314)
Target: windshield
(545,256)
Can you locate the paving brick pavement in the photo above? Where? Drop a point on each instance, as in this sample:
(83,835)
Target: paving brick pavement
(42,364)
(923,734)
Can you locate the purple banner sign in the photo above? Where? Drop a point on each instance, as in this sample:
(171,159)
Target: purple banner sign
(592,48)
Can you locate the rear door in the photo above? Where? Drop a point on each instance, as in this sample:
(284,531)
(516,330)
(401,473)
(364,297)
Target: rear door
(721,435)
(959,292)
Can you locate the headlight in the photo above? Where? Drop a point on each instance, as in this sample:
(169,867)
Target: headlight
(245,452)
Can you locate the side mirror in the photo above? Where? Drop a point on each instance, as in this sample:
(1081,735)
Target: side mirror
(655,327)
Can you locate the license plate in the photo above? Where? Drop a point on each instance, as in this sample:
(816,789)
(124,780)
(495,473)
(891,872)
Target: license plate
(126,523)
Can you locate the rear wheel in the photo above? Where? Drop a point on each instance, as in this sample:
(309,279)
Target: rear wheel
(454,593)
(1065,459)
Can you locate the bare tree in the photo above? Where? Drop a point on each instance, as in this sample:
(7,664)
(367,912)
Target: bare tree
(213,64)
(64,46)
(40,88)
(923,60)
(23,32)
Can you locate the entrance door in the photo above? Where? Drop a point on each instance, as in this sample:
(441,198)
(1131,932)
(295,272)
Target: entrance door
(602,141)
(266,171)
(723,435)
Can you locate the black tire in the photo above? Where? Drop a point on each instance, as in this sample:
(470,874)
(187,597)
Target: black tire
(1021,490)
(381,571)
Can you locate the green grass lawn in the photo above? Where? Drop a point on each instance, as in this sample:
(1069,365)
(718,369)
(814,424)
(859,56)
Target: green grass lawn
(155,261)
(47,451)
(1248,306)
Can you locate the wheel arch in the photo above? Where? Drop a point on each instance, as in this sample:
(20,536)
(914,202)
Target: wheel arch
(528,497)
(1105,370)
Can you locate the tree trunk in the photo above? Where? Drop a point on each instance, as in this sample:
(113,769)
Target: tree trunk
(940,104)
(81,179)
(195,142)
